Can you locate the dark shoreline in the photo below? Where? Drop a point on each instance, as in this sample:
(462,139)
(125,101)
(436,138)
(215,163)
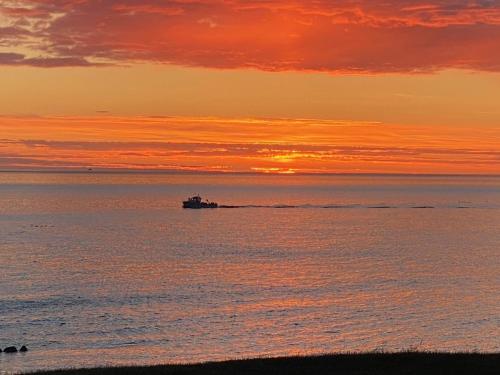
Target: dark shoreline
(404,363)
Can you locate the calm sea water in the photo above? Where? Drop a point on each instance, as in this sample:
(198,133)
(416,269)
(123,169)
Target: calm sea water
(107,269)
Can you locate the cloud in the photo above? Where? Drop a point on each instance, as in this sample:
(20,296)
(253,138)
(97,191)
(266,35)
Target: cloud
(346,36)
(243,145)
(42,62)
(10,58)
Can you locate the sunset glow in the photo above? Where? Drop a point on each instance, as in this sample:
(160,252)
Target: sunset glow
(251,86)
(245,186)
(245,145)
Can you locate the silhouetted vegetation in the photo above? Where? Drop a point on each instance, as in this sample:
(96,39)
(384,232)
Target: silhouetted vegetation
(405,363)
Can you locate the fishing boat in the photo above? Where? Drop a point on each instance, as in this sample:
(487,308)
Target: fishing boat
(196,203)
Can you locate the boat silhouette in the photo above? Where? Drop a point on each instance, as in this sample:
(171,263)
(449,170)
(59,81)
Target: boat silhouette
(196,203)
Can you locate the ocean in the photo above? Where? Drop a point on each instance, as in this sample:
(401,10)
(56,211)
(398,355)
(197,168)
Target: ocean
(108,269)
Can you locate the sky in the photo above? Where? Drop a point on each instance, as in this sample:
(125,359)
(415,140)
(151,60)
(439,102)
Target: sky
(349,86)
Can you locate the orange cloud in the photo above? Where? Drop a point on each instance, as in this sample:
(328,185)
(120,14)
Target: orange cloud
(245,145)
(347,36)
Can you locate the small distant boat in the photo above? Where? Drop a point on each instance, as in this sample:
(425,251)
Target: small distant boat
(196,203)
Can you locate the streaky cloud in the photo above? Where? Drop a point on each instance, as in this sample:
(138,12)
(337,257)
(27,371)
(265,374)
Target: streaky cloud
(18,59)
(244,145)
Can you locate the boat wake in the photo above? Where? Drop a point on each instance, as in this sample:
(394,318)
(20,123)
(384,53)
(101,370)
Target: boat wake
(361,206)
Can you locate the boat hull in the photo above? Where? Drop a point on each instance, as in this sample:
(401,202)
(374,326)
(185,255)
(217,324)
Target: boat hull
(197,206)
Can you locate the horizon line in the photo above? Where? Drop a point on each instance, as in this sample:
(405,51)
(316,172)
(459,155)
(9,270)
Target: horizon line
(198,172)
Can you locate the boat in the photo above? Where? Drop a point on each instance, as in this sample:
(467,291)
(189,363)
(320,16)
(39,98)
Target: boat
(196,203)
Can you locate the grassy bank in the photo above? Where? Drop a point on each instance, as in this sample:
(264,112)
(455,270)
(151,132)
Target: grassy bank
(352,364)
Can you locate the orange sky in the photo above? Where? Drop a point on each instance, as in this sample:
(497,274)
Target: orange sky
(397,86)
(244,145)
